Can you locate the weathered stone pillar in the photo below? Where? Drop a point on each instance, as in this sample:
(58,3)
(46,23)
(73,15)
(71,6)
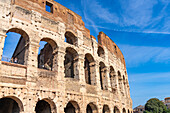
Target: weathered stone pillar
(93,73)
(108,79)
(98,77)
(81,69)
(60,64)
(32,64)
(2,41)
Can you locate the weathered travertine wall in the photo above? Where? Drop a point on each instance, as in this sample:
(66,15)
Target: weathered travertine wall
(28,85)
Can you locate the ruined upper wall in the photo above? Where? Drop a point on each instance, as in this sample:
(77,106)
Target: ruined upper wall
(59,13)
(104,40)
(72,21)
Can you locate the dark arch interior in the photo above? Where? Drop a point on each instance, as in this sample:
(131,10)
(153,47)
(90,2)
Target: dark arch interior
(100,52)
(102,72)
(8,105)
(87,70)
(106,109)
(43,107)
(70,38)
(116,110)
(124,111)
(70,63)
(89,109)
(70,108)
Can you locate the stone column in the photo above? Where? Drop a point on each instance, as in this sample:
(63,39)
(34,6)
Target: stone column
(60,63)
(97,77)
(108,79)
(81,69)
(2,41)
(32,63)
(117,86)
(93,73)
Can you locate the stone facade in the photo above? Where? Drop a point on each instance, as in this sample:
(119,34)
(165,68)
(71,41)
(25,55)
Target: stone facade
(84,77)
(139,109)
(167,102)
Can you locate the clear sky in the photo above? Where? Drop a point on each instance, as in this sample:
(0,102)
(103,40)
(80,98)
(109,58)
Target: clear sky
(141,29)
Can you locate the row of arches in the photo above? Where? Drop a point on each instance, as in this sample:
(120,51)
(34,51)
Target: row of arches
(14,105)
(20,39)
(47,59)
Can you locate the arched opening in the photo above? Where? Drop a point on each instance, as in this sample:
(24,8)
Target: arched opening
(106,109)
(124,110)
(128,111)
(16,47)
(47,54)
(91,108)
(71,63)
(100,52)
(89,69)
(116,110)
(10,105)
(43,106)
(113,79)
(120,82)
(103,76)
(70,38)
(72,107)
(127,88)
(124,85)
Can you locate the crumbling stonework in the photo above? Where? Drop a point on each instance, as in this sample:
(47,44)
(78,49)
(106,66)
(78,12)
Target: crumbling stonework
(84,77)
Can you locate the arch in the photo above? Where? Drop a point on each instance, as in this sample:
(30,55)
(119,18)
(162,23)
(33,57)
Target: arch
(103,76)
(21,32)
(45,106)
(71,38)
(128,111)
(19,54)
(106,109)
(47,58)
(71,63)
(72,107)
(113,79)
(123,110)
(116,110)
(124,85)
(51,42)
(91,108)
(120,82)
(11,104)
(100,51)
(89,69)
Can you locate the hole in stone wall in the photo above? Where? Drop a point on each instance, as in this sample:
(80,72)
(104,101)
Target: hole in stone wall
(49,7)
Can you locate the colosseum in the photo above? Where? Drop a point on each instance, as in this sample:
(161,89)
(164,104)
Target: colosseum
(72,73)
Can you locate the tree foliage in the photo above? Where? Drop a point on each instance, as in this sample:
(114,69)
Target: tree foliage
(154,105)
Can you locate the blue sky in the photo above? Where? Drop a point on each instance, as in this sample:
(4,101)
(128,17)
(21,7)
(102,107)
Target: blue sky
(141,29)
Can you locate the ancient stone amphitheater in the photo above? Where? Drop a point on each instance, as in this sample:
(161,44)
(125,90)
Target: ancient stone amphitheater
(73,73)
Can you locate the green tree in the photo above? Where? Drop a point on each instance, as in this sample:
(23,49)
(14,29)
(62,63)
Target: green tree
(154,105)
